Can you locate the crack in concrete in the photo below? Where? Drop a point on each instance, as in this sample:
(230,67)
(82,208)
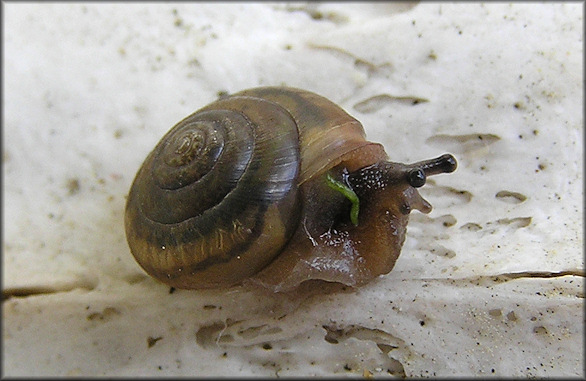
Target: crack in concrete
(506,277)
(24,292)
(542,274)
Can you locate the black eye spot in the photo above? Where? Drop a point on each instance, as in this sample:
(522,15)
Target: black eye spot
(416,178)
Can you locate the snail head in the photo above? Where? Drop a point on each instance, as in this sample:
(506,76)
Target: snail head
(402,179)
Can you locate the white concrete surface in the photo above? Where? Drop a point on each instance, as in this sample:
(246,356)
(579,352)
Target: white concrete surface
(489,284)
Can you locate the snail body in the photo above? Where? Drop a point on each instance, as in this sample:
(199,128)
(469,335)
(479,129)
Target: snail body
(241,191)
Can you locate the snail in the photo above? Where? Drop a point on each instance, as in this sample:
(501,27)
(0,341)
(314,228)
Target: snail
(272,186)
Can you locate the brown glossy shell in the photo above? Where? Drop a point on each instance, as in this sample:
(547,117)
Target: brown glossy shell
(327,134)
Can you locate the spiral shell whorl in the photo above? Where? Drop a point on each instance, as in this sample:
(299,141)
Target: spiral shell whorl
(188,153)
(204,199)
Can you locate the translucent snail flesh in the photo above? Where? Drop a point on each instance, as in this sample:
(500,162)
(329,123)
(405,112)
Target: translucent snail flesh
(273,186)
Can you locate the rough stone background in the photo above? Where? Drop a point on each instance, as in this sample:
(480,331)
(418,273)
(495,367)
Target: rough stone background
(489,284)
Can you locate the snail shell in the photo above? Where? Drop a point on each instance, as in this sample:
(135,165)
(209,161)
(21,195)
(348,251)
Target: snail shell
(237,191)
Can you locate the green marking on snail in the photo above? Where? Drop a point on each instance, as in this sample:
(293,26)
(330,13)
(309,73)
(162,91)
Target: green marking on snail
(349,194)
